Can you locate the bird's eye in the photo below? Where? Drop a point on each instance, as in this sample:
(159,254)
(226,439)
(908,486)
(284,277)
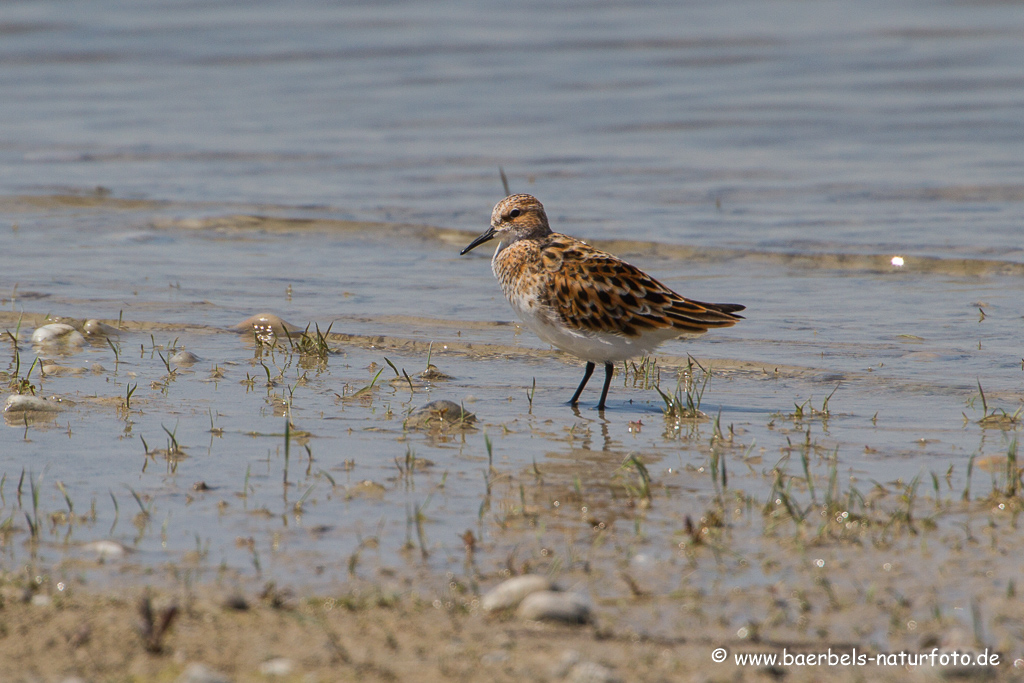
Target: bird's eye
(514,213)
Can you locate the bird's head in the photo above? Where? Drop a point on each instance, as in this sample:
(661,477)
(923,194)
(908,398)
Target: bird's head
(516,217)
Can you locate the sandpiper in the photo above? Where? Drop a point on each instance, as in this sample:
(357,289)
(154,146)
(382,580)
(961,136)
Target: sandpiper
(585,301)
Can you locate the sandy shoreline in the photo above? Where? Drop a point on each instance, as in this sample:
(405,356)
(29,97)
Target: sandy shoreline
(225,635)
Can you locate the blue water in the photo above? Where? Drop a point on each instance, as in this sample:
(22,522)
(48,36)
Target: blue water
(815,125)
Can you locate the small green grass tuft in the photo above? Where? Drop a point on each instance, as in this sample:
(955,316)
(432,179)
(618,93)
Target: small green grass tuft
(646,374)
(998,418)
(685,402)
(313,348)
(641,488)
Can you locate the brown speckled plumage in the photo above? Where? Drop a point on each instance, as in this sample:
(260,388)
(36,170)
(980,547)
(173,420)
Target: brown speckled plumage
(593,291)
(583,300)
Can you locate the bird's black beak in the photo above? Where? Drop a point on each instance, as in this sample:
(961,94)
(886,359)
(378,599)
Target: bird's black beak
(486,237)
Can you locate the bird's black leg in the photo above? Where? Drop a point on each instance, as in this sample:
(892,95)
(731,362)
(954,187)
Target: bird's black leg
(608,370)
(579,390)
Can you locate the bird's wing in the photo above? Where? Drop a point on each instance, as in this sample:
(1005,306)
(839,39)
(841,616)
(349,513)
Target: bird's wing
(594,291)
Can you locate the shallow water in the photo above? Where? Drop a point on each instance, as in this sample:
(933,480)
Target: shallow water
(174,170)
(897,412)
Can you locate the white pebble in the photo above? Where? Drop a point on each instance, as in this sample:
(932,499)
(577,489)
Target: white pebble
(570,608)
(106,550)
(508,594)
(58,333)
(278,666)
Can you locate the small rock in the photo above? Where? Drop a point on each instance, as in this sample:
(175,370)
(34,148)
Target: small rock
(569,608)
(433,374)
(58,333)
(365,488)
(279,666)
(508,594)
(106,550)
(17,403)
(94,328)
(440,415)
(41,600)
(184,358)
(264,324)
(200,673)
